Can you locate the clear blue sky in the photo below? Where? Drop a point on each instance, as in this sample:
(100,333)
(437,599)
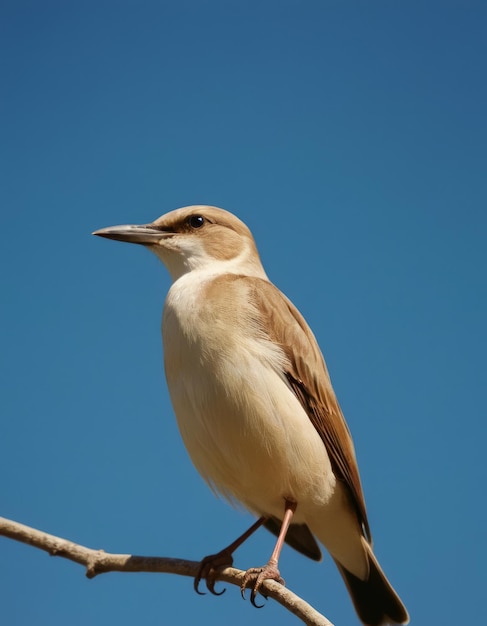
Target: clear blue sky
(351,137)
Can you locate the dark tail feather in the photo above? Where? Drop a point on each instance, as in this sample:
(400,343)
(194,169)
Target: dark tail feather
(374,599)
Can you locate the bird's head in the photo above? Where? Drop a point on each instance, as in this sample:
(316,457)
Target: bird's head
(195,238)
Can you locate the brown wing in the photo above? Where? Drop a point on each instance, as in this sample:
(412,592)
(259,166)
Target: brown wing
(308,377)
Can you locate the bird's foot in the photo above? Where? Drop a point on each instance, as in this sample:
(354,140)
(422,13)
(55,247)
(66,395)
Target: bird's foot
(208,570)
(255,576)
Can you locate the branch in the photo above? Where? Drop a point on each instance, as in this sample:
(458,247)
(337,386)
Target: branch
(100,562)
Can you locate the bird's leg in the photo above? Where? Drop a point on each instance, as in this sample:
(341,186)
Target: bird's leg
(257,575)
(210,565)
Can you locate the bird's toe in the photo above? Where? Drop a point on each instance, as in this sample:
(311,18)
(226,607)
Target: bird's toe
(208,570)
(255,576)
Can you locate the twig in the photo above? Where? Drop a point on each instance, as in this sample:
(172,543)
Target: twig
(100,562)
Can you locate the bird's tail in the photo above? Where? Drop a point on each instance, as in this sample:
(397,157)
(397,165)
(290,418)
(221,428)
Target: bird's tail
(374,599)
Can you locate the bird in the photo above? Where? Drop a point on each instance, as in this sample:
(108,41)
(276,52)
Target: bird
(255,405)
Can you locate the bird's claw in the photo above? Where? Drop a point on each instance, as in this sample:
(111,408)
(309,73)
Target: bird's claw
(208,570)
(255,576)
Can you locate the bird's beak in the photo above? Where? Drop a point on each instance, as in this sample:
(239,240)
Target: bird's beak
(145,234)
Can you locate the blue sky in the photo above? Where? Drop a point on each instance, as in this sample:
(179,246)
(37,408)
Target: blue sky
(351,138)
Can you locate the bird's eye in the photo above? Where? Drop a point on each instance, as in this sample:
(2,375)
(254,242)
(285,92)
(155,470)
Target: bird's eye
(196,221)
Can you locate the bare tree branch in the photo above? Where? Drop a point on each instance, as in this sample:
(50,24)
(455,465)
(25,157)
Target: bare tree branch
(100,562)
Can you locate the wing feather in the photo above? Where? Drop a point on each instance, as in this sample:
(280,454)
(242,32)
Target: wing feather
(308,377)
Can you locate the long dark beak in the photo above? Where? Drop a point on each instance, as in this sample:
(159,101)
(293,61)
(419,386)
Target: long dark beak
(145,234)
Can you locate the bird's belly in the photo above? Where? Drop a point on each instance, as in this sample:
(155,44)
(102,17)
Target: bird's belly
(249,437)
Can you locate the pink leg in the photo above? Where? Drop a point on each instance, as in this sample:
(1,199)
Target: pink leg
(210,564)
(256,575)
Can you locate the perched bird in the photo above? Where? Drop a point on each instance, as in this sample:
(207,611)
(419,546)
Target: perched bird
(255,405)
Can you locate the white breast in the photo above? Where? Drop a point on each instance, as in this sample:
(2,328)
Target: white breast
(242,425)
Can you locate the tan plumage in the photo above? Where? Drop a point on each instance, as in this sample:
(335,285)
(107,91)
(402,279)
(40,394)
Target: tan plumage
(254,401)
